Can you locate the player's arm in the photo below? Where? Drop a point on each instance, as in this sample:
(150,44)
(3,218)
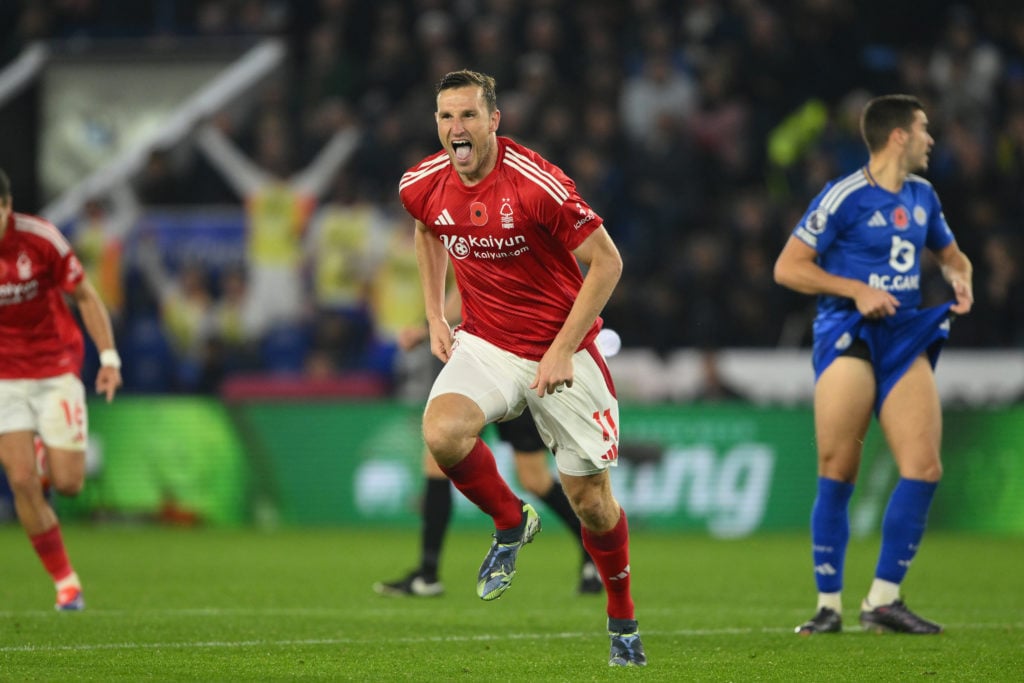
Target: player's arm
(97,323)
(604,268)
(315,180)
(244,176)
(432,259)
(958,272)
(797,269)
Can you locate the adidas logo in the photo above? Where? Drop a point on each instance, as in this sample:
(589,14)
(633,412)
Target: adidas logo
(825,569)
(444,218)
(624,574)
(877,220)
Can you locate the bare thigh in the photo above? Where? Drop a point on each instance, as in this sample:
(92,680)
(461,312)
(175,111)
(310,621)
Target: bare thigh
(844,397)
(17,454)
(67,470)
(911,419)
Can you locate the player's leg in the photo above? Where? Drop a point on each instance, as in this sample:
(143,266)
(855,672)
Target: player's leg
(436,513)
(66,469)
(582,424)
(843,400)
(61,423)
(17,454)
(37,517)
(534,474)
(451,427)
(42,463)
(605,532)
(911,419)
(481,384)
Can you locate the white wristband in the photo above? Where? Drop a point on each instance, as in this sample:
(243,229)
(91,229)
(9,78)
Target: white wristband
(109,358)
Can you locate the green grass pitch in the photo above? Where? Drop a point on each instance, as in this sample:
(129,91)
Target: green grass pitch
(245,605)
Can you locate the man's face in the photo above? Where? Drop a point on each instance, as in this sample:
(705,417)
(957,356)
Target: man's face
(5,213)
(466,130)
(919,143)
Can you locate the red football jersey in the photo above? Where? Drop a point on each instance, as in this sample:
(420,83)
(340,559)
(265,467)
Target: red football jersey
(67,327)
(37,265)
(510,240)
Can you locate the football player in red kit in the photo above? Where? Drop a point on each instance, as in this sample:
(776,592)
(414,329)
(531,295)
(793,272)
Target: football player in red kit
(515,230)
(40,390)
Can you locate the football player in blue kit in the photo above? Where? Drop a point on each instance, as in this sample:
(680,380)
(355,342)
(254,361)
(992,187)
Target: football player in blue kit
(858,248)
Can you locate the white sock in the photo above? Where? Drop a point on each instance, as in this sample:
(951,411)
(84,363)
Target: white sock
(883,593)
(833,601)
(69,581)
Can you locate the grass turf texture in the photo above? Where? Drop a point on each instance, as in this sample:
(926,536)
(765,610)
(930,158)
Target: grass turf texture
(235,605)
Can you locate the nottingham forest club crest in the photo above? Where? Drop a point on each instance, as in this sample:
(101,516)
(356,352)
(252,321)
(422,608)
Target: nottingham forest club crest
(24,266)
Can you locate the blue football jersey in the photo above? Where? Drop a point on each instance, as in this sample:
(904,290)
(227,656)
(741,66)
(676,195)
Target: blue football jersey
(864,232)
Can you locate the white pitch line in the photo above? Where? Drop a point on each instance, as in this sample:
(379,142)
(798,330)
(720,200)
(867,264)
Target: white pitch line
(425,639)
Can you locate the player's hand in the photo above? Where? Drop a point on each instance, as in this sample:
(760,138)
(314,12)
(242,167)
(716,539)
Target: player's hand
(108,379)
(441,339)
(964,296)
(554,373)
(876,303)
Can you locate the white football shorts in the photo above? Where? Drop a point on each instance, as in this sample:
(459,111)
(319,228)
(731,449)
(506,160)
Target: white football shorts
(579,424)
(53,407)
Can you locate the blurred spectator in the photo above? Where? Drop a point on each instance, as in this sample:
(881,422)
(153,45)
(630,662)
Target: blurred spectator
(963,70)
(342,248)
(658,101)
(396,301)
(99,238)
(231,346)
(719,126)
(277,209)
(1002,290)
(185,303)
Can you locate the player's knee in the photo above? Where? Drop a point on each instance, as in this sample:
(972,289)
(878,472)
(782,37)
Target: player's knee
(438,441)
(23,481)
(451,425)
(596,512)
(445,440)
(68,487)
(838,464)
(929,470)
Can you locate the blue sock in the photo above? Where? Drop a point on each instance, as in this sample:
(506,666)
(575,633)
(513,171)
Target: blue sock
(830,533)
(903,527)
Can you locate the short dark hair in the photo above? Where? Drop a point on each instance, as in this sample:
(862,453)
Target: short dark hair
(464,77)
(5,187)
(884,114)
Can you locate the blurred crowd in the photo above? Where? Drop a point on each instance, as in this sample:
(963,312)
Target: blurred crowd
(699,130)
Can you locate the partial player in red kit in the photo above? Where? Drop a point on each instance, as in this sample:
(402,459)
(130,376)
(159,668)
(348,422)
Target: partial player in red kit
(515,229)
(40,390)
(71,334)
